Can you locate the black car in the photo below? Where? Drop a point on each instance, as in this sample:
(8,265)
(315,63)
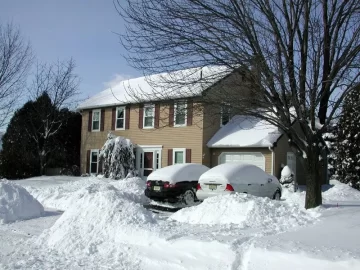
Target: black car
(175,183)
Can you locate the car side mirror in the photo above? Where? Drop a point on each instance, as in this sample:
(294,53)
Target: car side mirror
(269,180)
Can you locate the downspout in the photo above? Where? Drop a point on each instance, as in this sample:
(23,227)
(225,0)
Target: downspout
(271,148)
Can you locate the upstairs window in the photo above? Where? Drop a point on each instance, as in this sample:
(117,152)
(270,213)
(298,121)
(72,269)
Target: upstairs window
(180,113)
(225,114)
(120,118)
(149,116)
(96,120)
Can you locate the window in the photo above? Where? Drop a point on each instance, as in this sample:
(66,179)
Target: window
(180,114)
(120,118)
(225,114)
(96,120)
(94,161)
(179,155)
(149,116)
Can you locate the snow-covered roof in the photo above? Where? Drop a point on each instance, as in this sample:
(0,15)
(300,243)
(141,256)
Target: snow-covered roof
(245,131)
(163,86)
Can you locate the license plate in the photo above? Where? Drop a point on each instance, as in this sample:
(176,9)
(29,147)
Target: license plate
(156,188)
(212,187)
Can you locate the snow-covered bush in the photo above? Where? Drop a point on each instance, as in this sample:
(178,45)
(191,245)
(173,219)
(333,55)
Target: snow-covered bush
(117,157)
(348,142)
(330,138)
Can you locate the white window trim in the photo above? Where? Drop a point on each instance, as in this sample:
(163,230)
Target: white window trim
(140,149)
(116,118)
(175,107)
(153,120)
(179,150)
(97,162)
(92,120)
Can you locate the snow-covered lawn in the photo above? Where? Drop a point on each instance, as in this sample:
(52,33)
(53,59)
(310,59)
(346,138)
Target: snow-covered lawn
(92,223)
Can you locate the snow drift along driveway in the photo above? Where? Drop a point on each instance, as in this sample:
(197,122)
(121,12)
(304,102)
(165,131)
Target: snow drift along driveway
(16,203)
(246,211)
(63,196)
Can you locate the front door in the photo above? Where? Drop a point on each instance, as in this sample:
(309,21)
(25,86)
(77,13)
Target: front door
(148,162)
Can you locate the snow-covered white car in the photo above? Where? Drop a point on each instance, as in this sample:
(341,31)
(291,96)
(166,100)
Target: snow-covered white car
(175,183)
(238,177)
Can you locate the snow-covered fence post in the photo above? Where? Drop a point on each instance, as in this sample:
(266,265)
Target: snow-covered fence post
(117,157)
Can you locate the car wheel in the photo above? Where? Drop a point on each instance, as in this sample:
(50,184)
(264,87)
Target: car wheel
(277,195)
(188,197)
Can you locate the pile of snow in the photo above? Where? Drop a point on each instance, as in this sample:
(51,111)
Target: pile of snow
(246,211)
(60,196)
(64,196)
(340,192)
(336,191)
(17,204)
(102,219)
(134,187)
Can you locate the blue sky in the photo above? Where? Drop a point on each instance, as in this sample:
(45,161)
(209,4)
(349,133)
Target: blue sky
(82,29)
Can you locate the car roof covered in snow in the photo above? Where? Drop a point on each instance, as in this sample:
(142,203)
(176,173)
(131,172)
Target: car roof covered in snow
(245,131)
(163,86)
(179,172)
(236,172)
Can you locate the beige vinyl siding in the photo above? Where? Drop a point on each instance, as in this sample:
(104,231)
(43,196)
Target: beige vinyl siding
(211,124)
(189,137)
(215,153)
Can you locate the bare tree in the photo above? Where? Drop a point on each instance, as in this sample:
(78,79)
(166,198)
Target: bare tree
(300,58)
(54,88)
(59,81)
(15,61)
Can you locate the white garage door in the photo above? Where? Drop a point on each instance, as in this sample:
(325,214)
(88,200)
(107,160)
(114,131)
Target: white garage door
(254,158)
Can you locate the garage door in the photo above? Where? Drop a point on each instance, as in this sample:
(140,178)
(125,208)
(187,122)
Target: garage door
(254,158)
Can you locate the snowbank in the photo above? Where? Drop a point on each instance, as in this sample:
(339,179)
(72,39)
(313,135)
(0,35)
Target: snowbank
(134,187)
(336,191)
(63,196)
(60,196)
(246,211)
(340,192)
(100,220)
(17,204)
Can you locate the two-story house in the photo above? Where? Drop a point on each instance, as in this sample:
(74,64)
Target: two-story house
(170,126)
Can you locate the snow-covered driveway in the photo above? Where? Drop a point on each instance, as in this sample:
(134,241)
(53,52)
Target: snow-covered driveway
(104,226)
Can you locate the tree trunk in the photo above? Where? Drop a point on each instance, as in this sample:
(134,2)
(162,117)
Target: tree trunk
(42,160)
(313,180)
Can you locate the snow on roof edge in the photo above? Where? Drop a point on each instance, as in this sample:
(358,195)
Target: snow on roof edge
(121,94)
(79,108)
(245,131)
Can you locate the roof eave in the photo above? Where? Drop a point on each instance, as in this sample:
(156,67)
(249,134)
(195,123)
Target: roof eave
(132,103)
